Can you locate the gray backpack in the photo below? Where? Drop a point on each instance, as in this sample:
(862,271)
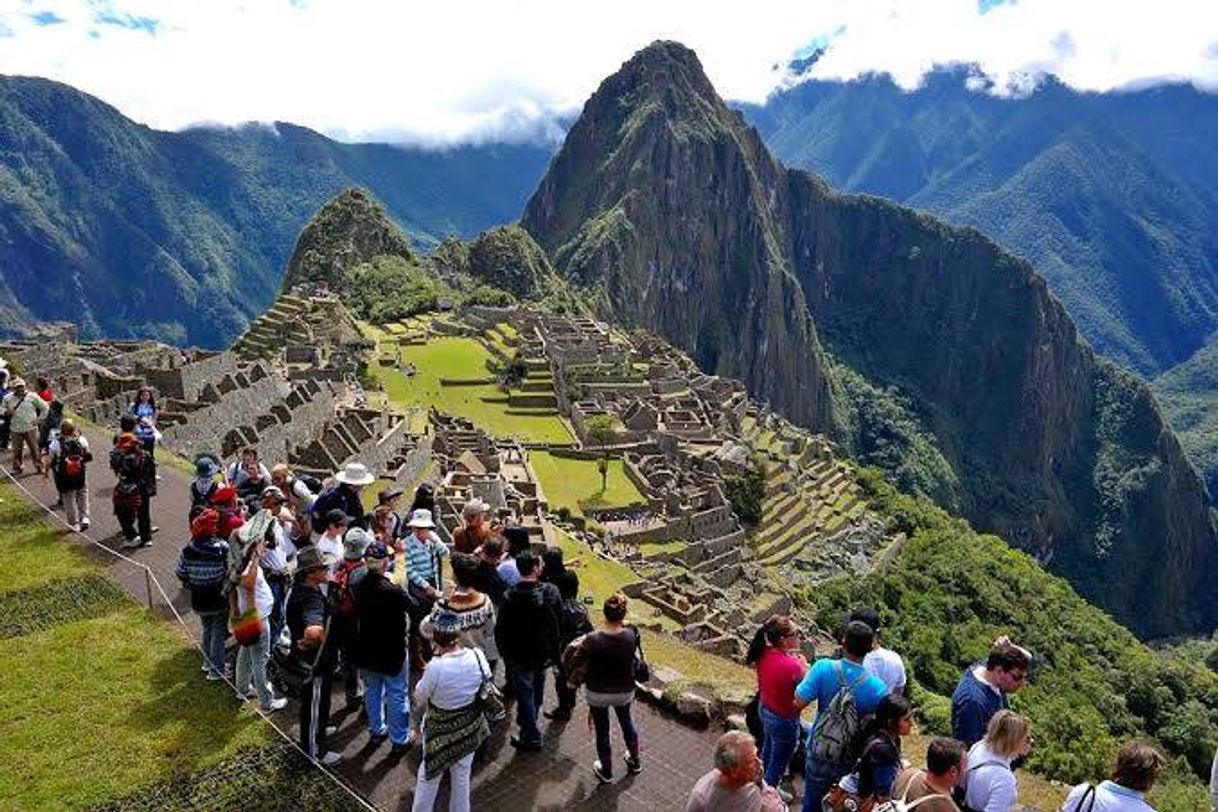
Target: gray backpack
(836,736)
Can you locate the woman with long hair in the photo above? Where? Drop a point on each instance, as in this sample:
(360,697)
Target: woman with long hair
(881,758)
(774,653)
(144,411)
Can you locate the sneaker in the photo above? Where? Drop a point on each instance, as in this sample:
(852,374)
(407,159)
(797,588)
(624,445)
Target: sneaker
(402,748)
(144,543)
(131,544)
(278,703)
(154,529)
(378,739)
(75,528)
(331,730)
(634,766)
(212,676)
(84,524)
(329,759)
(602,775)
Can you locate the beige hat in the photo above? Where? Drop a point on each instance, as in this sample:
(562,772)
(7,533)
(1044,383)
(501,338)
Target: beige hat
(355,473)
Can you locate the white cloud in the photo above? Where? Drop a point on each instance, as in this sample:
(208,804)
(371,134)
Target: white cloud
(461,69)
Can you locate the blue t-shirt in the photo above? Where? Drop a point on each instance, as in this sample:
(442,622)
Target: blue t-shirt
(822,682)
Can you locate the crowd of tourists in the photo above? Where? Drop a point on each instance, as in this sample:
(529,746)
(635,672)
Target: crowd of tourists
(315,587)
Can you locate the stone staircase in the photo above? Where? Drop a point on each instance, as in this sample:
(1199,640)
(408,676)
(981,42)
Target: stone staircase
(282,324)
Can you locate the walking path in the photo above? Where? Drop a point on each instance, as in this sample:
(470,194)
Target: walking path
(559,777)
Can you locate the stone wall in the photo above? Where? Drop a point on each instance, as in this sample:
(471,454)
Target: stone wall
(238,406)
(186,382)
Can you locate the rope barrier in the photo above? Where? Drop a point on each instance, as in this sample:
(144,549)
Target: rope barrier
(151,579)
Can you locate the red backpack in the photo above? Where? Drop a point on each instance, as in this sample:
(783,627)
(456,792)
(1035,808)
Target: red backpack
(343,602)
(71,460)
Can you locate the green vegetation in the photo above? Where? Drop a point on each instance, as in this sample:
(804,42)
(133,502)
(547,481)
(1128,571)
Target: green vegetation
(389,288)
(113,674)
(462,359)
(952,591)
(884,431)
(577,486)
(746,492)
(601,430)
(1188,394)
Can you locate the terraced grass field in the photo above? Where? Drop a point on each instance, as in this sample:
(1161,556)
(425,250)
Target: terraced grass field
(104,697)
(463,359)
(576,484)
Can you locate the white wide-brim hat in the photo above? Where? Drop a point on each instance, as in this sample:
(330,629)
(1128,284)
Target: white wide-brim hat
(421,518)
(355,473)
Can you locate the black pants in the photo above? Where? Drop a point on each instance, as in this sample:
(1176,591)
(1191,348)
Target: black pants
(131,518)
(342,627)
(315,712)
(566,695)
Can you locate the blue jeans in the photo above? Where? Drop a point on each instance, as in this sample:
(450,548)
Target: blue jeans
(781,738)
(215,632)
(251,667)
(385,700)
(529,686)
(278,617)
(819,778)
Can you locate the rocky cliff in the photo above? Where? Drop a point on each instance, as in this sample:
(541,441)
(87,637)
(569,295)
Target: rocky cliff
(668,212)
(666,207)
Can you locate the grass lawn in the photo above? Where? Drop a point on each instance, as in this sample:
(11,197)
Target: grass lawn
(576,484)
(92,709)
(462,359)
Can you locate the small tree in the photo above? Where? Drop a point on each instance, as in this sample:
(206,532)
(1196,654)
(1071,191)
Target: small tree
(601,430)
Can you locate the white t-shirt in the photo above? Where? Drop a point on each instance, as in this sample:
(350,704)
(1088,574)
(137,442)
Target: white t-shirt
(888,666)
(990,788)
(276,558)
(53,447)
(450,681)
(1109,797)
(331,548)
(264,599)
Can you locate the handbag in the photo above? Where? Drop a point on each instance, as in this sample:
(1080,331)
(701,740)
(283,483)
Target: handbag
(489,695)
(247,627)
(642,671)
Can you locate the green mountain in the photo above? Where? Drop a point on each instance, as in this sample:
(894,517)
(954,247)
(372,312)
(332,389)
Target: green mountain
(183,236)
(667,212)
(1111,196)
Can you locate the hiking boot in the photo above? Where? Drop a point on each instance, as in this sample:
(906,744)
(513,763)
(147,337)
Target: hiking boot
(602,775)
(329,759)
(634,766)
(402,748)
(131,544)
(559,714)
(377,739)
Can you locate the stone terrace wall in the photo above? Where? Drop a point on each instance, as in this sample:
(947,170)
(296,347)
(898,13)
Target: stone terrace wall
(186,382)
(205,427)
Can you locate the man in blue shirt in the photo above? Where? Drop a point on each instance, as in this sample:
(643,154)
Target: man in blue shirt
(822,682)
(982,690)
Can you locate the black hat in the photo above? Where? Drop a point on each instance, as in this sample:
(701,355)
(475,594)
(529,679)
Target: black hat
(337,516)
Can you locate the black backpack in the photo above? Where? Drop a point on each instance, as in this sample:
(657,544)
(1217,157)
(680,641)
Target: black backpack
(572,620)
(71,462)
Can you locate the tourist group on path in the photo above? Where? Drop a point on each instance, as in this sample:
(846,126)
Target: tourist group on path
(315,588)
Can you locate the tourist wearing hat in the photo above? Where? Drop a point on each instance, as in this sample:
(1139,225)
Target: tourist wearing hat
(350,571)
(345,495)
(379,648)
(136,486)
(423,576)
(475,530)
(25,412)
(330,542)
(252,592)
(231,510)
(454,725)
(202,567)
(206,480)
(308,616)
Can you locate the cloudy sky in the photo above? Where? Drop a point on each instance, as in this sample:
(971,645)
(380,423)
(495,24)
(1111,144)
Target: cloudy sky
(439,72)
